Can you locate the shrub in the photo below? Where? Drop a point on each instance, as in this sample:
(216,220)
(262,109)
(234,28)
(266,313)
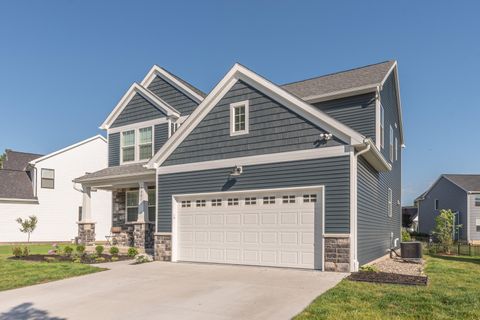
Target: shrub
(77,260)
(114,258)
(17,252)
(100,259)
(114,251)
(68,251)
(26,251)
(369,268)
(142,258)
(50,259)
(132,252)
(99,249)
(80,249)
(406,236)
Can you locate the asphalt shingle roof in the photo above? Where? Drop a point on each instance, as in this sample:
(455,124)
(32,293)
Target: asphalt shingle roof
(14,180)
(468,182)
(16,160)
(193,88)
(118,171)
(344,80)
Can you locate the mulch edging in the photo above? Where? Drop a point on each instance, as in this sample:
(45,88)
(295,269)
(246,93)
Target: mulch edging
(390,278)
(60,258)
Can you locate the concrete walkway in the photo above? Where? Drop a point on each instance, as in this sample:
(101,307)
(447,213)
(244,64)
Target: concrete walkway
(162,290)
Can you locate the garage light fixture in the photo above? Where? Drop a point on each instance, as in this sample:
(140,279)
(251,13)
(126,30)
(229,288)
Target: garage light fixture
(238,170)
(326,136)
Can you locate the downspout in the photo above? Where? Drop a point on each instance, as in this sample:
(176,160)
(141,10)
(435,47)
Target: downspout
(355,256)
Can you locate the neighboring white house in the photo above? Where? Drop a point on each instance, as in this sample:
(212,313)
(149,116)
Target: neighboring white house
(43,186)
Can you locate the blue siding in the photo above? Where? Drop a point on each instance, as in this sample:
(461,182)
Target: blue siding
(357,112)
(137,110)
(171,95)
(113,149)
(374,225)
(161,136)
(273,128)
(334,173)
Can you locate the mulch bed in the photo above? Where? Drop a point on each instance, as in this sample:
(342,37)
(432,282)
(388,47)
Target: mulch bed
(385,277)
(59,258)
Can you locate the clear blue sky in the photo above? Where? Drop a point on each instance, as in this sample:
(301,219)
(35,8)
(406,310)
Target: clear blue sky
(65,64)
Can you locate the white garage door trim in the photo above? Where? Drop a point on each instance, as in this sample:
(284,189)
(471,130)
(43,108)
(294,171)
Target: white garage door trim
(177,198)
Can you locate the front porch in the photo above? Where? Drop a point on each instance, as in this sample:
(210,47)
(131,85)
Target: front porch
(133,208)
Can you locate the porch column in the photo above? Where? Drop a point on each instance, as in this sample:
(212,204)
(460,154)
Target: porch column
(86,227)
(142,203)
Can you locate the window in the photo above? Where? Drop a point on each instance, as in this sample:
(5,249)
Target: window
(250,201)
(186,204)
(390,202)
(145,143)
(128,146)
(435,204)
(288,199)
(152,204)
(396,149)
(200,203)
(239,118)
(232,201)
(132,205)
(269,200)
(391,144)
(48,179)
(309,198)
(477,224)
(477,201)
(382,127)
(216,202)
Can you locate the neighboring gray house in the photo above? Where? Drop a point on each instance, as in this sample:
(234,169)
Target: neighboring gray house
(303,175)
(461,194)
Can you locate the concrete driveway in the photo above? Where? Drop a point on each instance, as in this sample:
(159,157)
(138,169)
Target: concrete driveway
(162,290)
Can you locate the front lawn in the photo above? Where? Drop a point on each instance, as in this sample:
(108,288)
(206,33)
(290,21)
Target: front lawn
(15,273)
(453,292)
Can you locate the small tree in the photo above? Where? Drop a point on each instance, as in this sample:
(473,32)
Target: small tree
(445,228)
(28,225)
(3,156)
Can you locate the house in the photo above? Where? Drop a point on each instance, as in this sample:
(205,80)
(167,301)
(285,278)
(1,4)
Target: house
(459,193)
(32,184)
(410,218)
(302,175)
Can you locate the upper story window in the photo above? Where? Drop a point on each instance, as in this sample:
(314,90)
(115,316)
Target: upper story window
(382,126)
(477,201)
(47,179)
(239,118)
(137,144)
(391,144)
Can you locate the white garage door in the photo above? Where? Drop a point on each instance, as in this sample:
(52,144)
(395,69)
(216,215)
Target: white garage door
(279,228)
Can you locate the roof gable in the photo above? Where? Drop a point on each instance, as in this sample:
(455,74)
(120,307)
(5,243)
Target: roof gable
(145,94)
(468,182)
(295,104)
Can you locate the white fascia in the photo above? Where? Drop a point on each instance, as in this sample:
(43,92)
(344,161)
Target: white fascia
(165,75)
(98,136)
(239,72)
(145,93)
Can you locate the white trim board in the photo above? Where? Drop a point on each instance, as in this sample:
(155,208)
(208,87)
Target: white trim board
(259,159)
(143,124)
(239,72)
(33,162)
(165,75)
(17,200)
(145,93)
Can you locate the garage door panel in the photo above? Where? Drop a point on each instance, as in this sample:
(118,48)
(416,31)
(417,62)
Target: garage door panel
(274,229)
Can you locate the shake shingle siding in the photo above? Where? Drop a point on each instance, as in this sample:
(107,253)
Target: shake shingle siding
(161,135)
(137,110)
(333,173)
(113,149)
(174,97)
(273,128)
(373,223)
(357,112)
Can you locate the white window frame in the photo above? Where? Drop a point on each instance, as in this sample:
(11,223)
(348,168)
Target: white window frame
(144,144)
(396,149)
(172,127)
(154,205)
(234,106)
(390,150)
(382,127)
(390,202)
(136,157)
(475,201)
(42,178)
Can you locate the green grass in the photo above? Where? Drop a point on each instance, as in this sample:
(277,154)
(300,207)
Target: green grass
(453,292)
(15,273)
